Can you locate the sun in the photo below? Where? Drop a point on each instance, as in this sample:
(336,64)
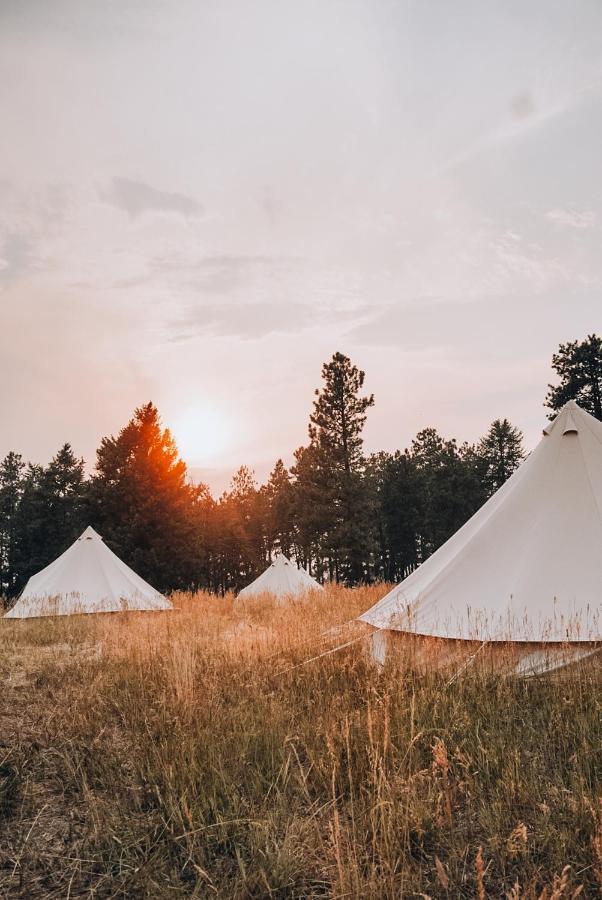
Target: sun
(202,433)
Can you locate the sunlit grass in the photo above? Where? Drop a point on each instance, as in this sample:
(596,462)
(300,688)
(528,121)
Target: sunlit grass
(192,754)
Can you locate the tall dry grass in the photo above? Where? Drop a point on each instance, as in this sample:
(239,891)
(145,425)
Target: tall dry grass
(192,754)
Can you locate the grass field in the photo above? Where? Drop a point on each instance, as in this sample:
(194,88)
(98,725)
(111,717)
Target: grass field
(186,754)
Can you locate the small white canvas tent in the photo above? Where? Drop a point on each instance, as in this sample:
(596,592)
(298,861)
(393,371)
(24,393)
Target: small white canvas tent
(526,569)
(86,578)
(283,579)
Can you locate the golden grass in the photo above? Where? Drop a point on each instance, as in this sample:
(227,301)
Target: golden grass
(191,754)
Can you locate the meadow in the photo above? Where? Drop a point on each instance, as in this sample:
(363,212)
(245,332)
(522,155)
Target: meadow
(198,753)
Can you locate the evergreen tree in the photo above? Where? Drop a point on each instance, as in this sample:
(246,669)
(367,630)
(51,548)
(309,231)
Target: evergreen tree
(579,367)
(335,430)
(313,510)
(242,515)
(501,453)
(144,505)
(52,511)
(278,495)
(11,491)
(397,504)
(450,486)
(63,493)
(339,415)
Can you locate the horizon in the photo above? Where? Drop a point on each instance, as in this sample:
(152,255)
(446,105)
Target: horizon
(228,195)
(218,480)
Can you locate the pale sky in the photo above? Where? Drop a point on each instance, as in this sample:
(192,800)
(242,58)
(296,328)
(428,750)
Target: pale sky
(200,202)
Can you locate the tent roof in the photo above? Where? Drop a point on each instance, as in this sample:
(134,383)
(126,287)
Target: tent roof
(528,565)
(282,579)
(87,577)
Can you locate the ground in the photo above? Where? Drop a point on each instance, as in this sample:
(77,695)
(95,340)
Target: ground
(207,753)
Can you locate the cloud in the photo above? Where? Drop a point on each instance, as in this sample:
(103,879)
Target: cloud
(492,327)
(255,320)
(523,105)
(137,198)
(525,120)
(251,320)
(573,218)
(16,256)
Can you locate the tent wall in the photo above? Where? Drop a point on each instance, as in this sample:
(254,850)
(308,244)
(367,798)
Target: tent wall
(422,654)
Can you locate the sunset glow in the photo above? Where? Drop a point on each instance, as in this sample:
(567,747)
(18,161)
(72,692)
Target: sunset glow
(202,434)
(368,191)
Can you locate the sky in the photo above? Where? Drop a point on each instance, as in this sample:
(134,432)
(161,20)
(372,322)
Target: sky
(200,202)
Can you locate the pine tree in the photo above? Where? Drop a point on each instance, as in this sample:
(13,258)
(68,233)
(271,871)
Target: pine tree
(144,505)
(52,511)
(335,432)
(11,491)
(339,415)
(314,513)
(450,486)
(278,494)
(242,515)
(397,506)
(579,367)
(63,492)
(501,453)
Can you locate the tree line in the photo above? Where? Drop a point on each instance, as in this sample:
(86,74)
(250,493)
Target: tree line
(345,515)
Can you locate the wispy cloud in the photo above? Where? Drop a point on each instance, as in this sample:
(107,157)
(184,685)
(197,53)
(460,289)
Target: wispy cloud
(16,256)
(524,117)
(487,328)
(573,218)
(137,198)
(254,320)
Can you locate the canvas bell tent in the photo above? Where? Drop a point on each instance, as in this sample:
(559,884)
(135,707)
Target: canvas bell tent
(283,580)
(86,578)
(523,577)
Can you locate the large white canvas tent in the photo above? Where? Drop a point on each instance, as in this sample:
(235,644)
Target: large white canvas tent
(525,572)
(283,579)
(86,578)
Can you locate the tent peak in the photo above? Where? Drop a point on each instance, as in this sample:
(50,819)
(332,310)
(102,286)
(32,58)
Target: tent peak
(89,535)
(282,578)
(570,426)
(568,415)
(280,559)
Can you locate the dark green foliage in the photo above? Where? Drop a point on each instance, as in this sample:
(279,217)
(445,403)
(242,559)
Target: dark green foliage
(240,539)
(450,486)
(278,498)
(501,452)
(143,504)
(11,492)
(43,511)
(397,507)
(339,415)
(313,507)
(340,500)
(578,365)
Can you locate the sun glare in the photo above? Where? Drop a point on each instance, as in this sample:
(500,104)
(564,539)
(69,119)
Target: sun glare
(202,433)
